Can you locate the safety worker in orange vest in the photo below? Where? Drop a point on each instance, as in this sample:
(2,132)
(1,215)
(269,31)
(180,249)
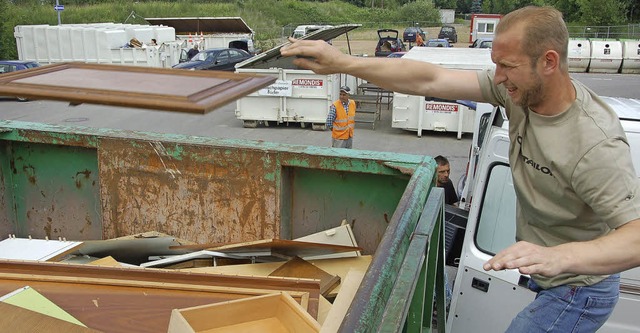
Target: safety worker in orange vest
(341,120)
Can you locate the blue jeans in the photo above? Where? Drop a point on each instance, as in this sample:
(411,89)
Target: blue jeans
(568,309)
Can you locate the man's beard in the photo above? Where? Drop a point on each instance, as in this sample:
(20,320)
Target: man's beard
(532,96)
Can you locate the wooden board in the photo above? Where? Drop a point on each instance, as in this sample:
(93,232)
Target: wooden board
(140,300)
(283,247)
(17,319)
(272,313)
(342,303)
(131,86)
(300,268)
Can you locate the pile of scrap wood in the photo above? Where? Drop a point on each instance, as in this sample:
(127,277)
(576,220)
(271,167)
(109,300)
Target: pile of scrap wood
(153,282)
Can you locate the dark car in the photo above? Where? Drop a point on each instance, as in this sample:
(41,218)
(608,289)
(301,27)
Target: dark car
(440,42)
(410,34)
(482,43)
(219,59)
(449,33)
(388,42)
(7,66)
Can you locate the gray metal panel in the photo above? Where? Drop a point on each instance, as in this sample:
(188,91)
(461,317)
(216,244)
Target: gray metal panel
(273,59)
(206,25)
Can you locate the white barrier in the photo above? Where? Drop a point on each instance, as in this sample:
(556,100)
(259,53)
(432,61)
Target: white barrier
(579,55)
(606,56)
(630,57)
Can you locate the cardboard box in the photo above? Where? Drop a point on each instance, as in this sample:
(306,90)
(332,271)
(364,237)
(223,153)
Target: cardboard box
(273,313)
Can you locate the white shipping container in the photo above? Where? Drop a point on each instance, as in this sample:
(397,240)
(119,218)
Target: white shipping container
(298,96)
(606,56)
(95,43)
(579,55)
(418,113)
(630,57)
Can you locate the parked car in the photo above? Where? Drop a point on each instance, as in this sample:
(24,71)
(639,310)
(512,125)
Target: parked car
(396,54)
(220,59)
(448,32)
(438,42)
(388,42)
(7,66)
(410,33)
(482,43)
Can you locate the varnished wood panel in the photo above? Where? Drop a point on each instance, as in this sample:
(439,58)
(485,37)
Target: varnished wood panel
(140,300)
(130,86)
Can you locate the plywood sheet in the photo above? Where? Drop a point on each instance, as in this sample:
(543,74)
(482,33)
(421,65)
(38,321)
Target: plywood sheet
(130,86)
(119,299)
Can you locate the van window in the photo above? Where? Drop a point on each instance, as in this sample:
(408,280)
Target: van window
(497,222)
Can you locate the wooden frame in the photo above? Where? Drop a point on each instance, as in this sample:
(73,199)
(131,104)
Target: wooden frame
(272,313)
(114,299)
(130,86)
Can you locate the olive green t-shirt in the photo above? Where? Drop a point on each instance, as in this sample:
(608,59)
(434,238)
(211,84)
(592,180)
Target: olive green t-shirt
(572,173)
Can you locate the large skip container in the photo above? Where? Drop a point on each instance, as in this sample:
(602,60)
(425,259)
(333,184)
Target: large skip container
(83,183)
(298,96)
(630,57)
(418,113)
(579,55)
(606,56)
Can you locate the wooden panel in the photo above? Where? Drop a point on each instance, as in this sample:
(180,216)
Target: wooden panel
(300,268)
(140,300)
(17,319)
(272,313)
(129,86)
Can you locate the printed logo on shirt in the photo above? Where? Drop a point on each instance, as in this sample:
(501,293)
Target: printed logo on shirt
(545,170)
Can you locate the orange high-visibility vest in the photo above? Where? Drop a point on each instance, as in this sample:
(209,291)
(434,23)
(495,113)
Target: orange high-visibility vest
(345,121)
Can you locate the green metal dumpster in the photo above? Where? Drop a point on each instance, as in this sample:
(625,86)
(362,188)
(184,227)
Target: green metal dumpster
(87,183)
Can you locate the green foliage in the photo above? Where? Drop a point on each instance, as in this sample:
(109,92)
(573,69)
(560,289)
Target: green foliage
(420,11)
(602,12)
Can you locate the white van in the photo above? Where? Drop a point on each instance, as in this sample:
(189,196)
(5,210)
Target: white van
(487,301)
(303,30)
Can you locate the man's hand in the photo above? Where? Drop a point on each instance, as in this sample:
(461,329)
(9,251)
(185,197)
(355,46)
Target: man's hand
(528,258)
(316,55)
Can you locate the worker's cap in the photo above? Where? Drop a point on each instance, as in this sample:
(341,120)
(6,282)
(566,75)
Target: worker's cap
(345,89)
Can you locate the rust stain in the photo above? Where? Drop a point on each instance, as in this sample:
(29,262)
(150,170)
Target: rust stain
(30,171)
(78,177)
(48,228)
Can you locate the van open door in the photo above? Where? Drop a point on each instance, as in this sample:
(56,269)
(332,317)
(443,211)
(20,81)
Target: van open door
(487,301)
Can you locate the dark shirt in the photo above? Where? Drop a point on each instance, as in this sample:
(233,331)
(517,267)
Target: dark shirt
(450,196)
(191,53)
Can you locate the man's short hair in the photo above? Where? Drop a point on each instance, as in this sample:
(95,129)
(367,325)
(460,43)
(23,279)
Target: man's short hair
(441,160)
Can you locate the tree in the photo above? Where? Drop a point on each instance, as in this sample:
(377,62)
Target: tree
(445,4)
(602,12)
(476,6)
